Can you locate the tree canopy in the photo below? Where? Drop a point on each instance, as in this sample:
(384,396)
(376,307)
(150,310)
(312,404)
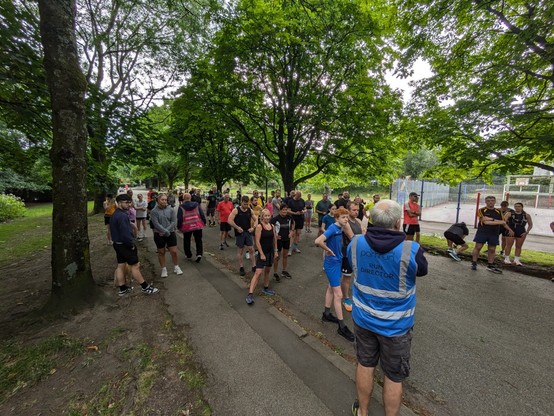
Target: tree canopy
(303,81)
(489,104)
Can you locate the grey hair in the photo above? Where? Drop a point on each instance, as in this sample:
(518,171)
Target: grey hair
(386,214)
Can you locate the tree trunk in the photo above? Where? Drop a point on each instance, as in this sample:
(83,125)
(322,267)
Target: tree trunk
(219,185)
(72,282)
(288,180)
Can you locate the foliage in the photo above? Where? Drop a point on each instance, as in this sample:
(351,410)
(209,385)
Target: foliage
(207,142)
(11,207)
(24,100)
(417,163)
(489,104)
(299,80)
(132,53)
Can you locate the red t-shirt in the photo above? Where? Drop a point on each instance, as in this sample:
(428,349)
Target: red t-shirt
(413,206)
(224,209)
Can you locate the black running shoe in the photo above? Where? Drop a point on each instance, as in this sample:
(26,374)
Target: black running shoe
(355,407)
(125,291)
(286,274)
(277,277)
(346,333)
(492,268)
(253,269)
(329,318)
(241,271)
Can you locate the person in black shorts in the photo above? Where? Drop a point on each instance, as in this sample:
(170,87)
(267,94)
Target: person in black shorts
(266,243)
(243,220)
(521,223)
(455,239)
(125,249)
(297,208)
(488,230)
(163,220)
(284,228)
(506,212)
(211,202)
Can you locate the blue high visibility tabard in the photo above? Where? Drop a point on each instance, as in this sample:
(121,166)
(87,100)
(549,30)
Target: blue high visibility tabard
(383,289)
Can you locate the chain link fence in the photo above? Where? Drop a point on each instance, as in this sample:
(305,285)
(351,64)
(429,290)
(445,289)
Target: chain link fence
(443,203)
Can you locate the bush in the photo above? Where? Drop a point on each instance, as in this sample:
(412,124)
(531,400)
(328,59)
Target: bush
(11,207)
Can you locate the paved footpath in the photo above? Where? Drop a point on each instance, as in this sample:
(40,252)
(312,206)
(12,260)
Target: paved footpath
(258,361)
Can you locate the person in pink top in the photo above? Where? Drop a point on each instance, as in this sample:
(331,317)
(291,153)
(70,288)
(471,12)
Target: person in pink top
(224,209)
(411,213)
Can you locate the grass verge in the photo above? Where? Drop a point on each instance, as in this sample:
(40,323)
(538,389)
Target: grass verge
(22,366)
(539,258)
(22,237)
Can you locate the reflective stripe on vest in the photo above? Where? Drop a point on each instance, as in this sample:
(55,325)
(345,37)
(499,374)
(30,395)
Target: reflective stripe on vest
(392,319)
(404,264)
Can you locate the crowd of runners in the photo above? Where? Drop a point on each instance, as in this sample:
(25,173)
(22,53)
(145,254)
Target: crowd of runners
(269,230)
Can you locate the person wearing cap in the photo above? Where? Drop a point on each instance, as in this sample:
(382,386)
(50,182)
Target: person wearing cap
(411,213)
(124,246)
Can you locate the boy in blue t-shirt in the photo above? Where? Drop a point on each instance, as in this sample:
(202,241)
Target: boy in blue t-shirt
(331,243)
(328,219)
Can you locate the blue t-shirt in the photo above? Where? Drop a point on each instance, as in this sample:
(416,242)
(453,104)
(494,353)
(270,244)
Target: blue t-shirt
(328,220)
(333,239)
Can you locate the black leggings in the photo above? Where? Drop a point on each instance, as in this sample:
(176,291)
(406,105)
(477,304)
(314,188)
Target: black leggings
(197,240)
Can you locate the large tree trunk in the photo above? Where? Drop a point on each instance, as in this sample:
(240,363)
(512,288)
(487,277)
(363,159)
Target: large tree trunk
(288,179)
(72,282)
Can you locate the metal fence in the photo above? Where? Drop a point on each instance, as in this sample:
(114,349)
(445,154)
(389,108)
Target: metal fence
(443,203)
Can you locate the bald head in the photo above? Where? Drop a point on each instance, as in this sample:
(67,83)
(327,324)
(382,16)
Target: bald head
(186,196)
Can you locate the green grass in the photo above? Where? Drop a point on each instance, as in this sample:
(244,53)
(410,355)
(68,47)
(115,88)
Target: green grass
(22,366)
(23,237)
(435,242)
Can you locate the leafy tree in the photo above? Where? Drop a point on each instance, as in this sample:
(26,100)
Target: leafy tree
(207,142)
(298,80)
(417,163)
(132,52)
(25,165)
(72,282)
(489,104)
(24,99)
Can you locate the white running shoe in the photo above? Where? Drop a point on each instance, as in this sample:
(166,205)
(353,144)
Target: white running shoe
(177,270)
(507,261)
(164,272)
(518,263)
(247,255)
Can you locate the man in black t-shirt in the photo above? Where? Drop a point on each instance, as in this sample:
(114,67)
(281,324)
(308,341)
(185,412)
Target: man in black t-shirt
(284,227)
(322,208)
(211,202)
(297,208)
(243,220)
(490,223)
(343,200)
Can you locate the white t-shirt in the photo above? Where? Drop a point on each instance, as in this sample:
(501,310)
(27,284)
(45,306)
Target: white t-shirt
(140,213)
